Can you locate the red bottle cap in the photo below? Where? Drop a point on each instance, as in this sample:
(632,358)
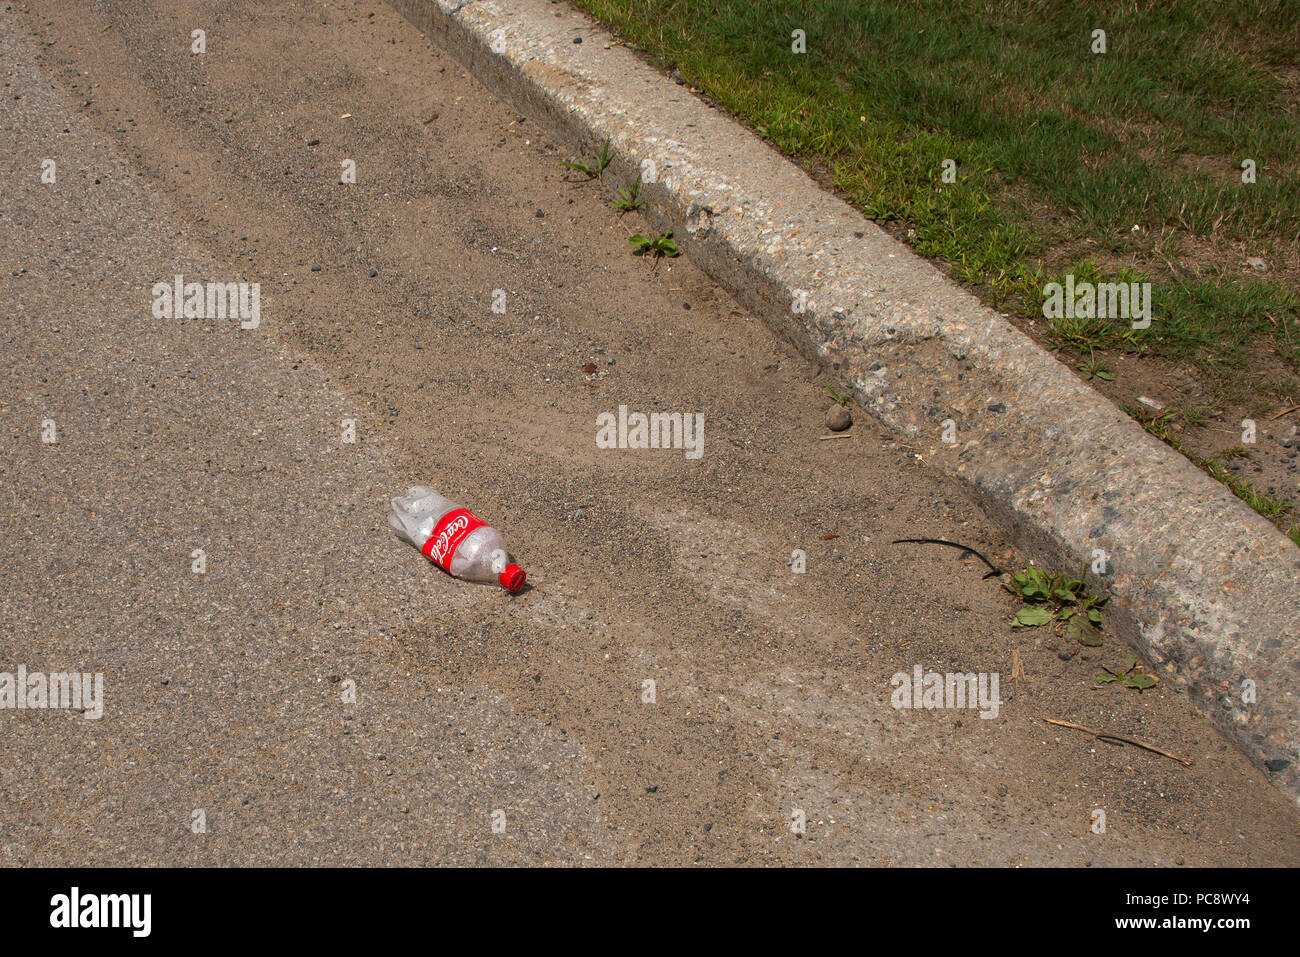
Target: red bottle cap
(513,578)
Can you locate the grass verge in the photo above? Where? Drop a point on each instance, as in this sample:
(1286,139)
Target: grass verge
(997,139)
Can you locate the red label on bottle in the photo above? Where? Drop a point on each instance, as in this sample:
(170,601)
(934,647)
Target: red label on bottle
(450,531)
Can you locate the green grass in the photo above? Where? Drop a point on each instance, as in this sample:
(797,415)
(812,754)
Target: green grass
(1057,149)
(1059,152)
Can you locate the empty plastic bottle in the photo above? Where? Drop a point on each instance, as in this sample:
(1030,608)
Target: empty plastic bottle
(454,538)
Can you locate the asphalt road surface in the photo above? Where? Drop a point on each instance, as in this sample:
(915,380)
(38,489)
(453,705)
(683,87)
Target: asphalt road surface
(195,510)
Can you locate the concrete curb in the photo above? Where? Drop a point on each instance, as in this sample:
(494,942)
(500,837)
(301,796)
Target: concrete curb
(1203,586)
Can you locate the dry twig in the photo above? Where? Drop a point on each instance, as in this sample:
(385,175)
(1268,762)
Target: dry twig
(1107,736)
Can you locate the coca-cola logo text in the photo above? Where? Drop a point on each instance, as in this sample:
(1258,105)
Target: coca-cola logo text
(445,539)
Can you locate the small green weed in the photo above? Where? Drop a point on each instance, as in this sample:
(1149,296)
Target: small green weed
(1053,597)
(627,199)
(840,398)
(1130,675)
(595,169)
(661,245)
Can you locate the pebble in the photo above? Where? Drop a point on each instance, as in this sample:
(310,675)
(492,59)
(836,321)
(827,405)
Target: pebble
(838,418)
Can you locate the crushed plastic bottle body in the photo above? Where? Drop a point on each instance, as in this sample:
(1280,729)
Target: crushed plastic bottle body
(454,538)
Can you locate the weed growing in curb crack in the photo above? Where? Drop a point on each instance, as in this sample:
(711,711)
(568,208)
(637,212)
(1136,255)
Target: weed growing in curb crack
(661,245)
(1130,675)
(1053,597)
(627,200)
(596,168)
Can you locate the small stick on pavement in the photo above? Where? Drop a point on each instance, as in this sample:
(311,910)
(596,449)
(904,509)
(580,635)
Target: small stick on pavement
(1283,412)
(838,435)
(1107,736)
(943,541)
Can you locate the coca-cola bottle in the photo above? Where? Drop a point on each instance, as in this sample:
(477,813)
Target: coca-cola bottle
(454,538)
